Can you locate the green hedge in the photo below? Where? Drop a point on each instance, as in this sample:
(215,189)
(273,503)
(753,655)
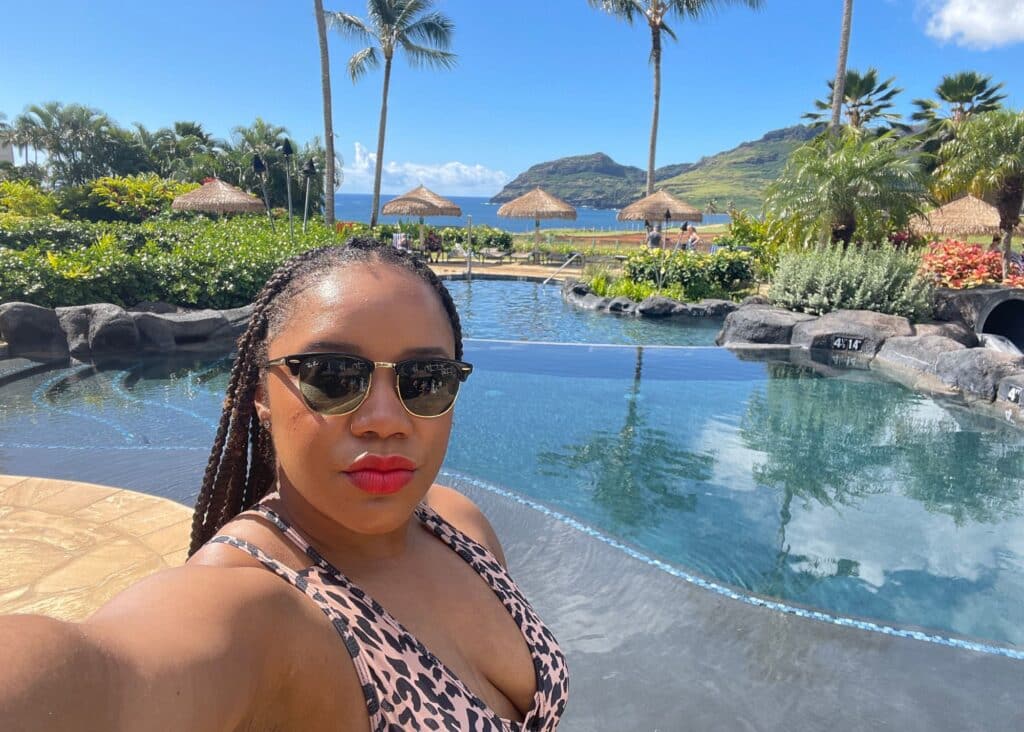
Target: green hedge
(699,275)
(879,278)
(216,264)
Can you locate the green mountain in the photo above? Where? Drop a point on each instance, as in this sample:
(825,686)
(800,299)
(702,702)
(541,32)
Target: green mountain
(736,176)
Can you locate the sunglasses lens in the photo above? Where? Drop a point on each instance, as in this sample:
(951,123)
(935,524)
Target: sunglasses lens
(334,384)
(428,388)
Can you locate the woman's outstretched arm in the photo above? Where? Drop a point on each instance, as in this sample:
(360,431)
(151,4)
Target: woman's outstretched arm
(196,648)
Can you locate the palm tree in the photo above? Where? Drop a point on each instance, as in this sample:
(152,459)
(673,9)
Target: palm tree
(654,12)
(987,159)
(411,25)
(75,138)
(962,94)
(839,87)
(865,100)
(846,182)
(325,86)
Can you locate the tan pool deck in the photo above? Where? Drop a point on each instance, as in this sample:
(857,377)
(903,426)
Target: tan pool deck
(68,547)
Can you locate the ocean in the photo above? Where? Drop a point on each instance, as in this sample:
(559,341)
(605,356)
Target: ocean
(356,207)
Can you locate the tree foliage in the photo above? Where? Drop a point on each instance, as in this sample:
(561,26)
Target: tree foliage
(848,185)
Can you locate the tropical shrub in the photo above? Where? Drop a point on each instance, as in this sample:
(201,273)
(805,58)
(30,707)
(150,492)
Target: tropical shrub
(131,198)
(137,197)
(44,232)
(217,264)
(959,265)
(827,278)
(24,198)
(699,275)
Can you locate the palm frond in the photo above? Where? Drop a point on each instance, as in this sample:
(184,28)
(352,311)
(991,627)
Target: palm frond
(433,28)
(421,56)
(361,62)
(349,26)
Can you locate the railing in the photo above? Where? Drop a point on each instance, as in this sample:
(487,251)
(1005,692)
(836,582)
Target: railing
(566,264)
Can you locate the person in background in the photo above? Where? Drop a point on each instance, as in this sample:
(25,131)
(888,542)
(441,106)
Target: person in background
(692,240)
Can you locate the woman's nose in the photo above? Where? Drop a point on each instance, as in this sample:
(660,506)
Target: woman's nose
(382,413)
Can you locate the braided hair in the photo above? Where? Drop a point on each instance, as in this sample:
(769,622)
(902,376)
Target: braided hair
(243,466)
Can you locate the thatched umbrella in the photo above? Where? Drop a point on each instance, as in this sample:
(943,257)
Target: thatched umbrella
(963,217)
(216,196)
(421,202)
(660,206)
(537,204)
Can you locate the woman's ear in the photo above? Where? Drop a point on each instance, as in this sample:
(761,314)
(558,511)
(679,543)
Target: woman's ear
(260,402)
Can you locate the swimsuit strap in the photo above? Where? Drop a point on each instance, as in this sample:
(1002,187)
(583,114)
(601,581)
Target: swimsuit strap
(337,619)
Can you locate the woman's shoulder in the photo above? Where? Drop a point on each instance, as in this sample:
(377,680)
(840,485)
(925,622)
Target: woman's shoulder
(462,513)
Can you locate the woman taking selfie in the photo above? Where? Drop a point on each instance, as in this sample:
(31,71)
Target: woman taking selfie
(331,585)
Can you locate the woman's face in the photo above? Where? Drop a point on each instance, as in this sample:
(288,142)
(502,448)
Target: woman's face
(382,313)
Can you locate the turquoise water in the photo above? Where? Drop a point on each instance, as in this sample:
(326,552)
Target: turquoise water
(531,311)
(850,494)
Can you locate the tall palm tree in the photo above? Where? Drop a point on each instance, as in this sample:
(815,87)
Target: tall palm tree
(654,13)
(839,87)
(958,97)
(848,182)
(987,159)
(75,138)
(325,86)
(865,100)
(411,25)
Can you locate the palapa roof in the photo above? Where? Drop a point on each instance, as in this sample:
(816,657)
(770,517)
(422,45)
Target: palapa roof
(653,208)
(421,201)
(216,196)
(964,216)
(538,204)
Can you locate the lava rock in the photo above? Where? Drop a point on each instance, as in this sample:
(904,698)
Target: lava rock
(854,331)
(111,329)
(31,330)
(621,305)
(657,306)
(754,300)
(915,353)
(74,321)
(714,308)
(976,372)
(155,332)
(759,324)
(956,330)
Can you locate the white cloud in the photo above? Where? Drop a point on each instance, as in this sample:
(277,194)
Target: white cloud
(448,179)
(981,24)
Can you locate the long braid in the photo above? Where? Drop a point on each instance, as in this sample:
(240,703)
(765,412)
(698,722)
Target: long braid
(242,465)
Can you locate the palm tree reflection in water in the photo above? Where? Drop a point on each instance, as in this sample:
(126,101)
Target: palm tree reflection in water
(634,473)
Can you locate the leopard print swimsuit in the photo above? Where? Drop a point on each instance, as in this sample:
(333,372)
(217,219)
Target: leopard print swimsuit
(405,686)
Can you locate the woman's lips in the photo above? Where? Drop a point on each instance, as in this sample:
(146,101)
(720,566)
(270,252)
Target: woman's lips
(380,482)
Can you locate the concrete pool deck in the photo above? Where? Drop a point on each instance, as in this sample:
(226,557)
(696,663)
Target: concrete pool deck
(68,547)
(647,650)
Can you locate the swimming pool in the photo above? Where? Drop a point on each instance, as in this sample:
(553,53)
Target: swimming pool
(848,495)
(529,311)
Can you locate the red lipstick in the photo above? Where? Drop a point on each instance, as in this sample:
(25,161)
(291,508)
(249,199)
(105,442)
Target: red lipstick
(380,475)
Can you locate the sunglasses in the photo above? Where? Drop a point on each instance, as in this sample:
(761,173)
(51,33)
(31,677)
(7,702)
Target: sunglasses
(338,383)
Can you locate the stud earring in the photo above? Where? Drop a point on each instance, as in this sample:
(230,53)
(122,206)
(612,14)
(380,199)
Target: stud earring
(265,424)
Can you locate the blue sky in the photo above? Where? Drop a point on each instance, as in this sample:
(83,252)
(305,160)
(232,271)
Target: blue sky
(536,79)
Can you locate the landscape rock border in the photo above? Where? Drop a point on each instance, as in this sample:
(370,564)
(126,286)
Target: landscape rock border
(939,358)
(86,331)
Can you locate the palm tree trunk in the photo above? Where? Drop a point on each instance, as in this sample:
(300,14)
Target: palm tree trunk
(325,83)
(1008,203)
(380,142)
(656,60)
(839,87)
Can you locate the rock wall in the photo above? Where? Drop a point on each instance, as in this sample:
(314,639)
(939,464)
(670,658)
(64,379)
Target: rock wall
(86,331)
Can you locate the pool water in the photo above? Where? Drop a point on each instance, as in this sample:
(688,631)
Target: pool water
(530,311)
(850,494)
